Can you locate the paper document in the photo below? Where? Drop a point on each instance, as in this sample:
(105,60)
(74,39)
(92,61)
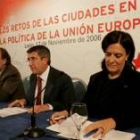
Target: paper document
(11,111)
(68,129)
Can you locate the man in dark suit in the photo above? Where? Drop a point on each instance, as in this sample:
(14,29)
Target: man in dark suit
(57,91)
(11,87)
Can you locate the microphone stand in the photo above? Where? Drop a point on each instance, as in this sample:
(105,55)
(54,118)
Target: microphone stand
(34,131)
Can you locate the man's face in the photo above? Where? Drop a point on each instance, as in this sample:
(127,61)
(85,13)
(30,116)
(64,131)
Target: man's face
(2,62)
(115,57)
(37,64)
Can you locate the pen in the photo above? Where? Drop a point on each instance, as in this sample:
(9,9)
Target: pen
(60,117)
(90,133)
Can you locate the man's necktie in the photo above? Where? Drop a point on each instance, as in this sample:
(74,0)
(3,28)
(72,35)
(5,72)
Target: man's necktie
(39,83)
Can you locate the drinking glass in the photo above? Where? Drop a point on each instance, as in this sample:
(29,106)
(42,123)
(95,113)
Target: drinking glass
(78,109)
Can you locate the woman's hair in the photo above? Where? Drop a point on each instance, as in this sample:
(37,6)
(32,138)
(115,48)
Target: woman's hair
(123,39)
(42,51)
(5,55)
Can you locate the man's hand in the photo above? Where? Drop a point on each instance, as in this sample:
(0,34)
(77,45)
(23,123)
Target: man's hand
(58,117)
(18,103)
(39,108)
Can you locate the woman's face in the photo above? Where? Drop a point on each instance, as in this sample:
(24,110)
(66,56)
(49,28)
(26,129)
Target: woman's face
(115,57)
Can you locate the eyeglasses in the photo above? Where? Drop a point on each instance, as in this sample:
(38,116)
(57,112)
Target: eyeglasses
(33,59)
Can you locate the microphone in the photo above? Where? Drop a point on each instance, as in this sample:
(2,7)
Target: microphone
(34,131)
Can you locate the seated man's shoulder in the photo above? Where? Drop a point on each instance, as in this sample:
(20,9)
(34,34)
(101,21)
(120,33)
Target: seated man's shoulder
(11,70)
(59,72)
(60,75)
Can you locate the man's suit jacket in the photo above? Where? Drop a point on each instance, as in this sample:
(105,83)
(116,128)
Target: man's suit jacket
(11,86)
(59,90)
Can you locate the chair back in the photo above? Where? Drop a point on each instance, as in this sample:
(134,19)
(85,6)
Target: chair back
(26,84)
(80,88)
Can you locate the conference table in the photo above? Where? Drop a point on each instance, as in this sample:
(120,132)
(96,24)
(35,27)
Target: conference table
(12,127)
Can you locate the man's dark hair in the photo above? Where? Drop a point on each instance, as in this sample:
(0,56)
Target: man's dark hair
(5,55)
(42,51)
